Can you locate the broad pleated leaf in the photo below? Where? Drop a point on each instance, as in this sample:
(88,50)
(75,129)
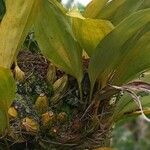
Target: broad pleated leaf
(117,10)
(145,4)
(7,94)
(93,8)
(54,35)
(133,99)
(109,10)
(127,8)
(4,121)
(108,53)
(59,1)
(2,9)
(136,61)
(14,28)
(89,32)
(127,105)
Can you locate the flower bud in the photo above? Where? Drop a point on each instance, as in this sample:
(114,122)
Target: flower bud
(42,104)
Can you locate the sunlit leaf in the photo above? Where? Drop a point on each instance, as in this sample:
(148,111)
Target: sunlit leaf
(7,94)
(75,13)
(89,32)
(117,10)
(109,52)
(127,8)
(55,38)
(114,10)
(93,8)
(136,61)
(108,11)
(14,28)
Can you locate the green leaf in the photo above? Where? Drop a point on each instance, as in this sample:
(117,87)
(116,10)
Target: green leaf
(59,1)
(108,53)
(84,28)
(93,8)
(3,120)
(54,35)
(134,62)
(127,8)
(109,10)
(117,10)
(7,94)
(146,76)
(14,28)
(2,9)
(146,4)
(127,105)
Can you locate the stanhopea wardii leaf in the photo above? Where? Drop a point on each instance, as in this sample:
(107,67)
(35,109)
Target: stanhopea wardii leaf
(117,10)
(109,52)
(127,105)
(84,28)
(109,10)
(7,94)
(127,8)
(145,4)
(55,38)
(14,28)
(93,8)
(2,9)
(136,61)
(133,92)
(3,120)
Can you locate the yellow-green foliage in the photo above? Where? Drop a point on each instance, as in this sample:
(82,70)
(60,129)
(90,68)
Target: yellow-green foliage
(115,34)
